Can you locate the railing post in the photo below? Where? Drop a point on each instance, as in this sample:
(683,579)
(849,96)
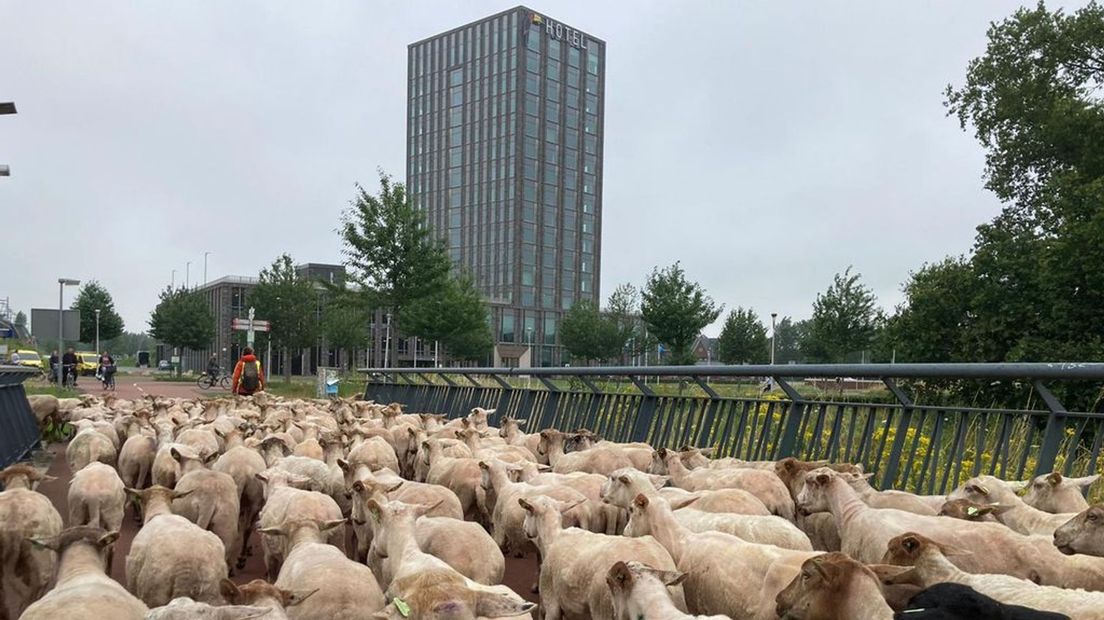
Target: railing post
(889,476)
(644,412)
(706,424)
(550,403)
(450,394)
(1055,430)
(787,444)
(591,420)
(503,399)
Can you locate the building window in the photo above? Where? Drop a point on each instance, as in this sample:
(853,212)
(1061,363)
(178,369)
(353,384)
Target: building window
(550,329)
(456,77)
(507,334)
(456,96)
(532,83)
(567,300)
(573,56)
(548,302)
(527,297)
(592,61)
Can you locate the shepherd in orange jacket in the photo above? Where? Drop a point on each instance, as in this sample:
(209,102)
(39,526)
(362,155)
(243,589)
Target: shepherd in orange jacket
(248,375)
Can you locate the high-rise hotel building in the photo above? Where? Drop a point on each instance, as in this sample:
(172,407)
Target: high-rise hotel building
(504,153)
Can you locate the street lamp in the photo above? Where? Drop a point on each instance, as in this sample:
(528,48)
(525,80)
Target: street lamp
(6,108)
(205,255)
(62,283)
(529,339)
(98,331)
(187,273)
(774,315)
(172,282)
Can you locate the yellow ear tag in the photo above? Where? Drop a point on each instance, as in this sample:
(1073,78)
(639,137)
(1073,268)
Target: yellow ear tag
(971,511)
(404,609)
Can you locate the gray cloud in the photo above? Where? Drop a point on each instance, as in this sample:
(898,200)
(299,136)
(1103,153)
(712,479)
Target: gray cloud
(765,145)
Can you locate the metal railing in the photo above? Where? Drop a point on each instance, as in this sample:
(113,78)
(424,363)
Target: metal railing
(19,432)
(924,448)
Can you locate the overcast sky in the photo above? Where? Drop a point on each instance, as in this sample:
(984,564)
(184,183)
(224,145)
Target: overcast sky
(766,145)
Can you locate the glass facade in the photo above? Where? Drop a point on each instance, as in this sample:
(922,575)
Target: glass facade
(504,153)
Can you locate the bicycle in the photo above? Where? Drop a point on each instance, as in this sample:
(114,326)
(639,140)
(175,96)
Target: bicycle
(106,376)
(206,381)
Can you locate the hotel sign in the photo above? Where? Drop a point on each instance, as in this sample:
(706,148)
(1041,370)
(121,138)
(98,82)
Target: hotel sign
(561,32)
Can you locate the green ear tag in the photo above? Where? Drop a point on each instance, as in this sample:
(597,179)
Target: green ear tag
(404,609)
(970,510)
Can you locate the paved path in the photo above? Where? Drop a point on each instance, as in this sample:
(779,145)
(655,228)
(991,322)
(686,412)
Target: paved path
(130,387)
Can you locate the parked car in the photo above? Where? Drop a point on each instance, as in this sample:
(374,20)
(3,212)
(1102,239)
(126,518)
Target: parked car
(89,362)
(164,365)
(30,358)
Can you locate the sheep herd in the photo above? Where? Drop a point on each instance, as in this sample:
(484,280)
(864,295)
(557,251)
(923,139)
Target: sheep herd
(436,503)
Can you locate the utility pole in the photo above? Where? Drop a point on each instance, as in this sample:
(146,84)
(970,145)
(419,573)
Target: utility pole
(187,273)
(774,315)
(98,331)
(205,255)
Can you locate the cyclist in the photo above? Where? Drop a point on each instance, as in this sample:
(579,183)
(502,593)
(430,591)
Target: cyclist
(106,370)
(53,366)
(69,363)
(213,369)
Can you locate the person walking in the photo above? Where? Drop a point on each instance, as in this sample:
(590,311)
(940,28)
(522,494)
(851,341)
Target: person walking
(248,375)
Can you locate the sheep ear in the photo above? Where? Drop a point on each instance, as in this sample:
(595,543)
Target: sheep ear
(263,477)
(670,577)
(865,476)
(619,576)
(890,574)
(1054,478)
(50,543)
(211,458)
(373,507)
(525,504)
(108,539)
(272,531)
(175,454)
(1018,485)
(46,478)
(421,510)
(181,494)
(295,597)
(566,506)
(683,502)
(1085,481)
(229,590)
(623,479)
(822,478)
(326,526)
(641,500)
(490,604)
(343,464)
(359,486)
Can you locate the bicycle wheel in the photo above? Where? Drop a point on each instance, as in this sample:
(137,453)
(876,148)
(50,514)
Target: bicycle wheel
(224,382)
(203,382)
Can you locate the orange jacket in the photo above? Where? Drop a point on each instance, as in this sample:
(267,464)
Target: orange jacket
(238,373)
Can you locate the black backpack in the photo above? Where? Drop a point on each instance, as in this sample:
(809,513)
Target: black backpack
(251,376)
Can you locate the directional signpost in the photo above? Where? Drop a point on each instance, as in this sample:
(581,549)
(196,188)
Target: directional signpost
(250,326)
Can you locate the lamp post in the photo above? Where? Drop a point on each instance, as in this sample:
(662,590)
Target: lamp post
(62,283)
(187,273)
(6,108)
(98,331)
(774,315)
(172,282)
(205,255)
(529,339)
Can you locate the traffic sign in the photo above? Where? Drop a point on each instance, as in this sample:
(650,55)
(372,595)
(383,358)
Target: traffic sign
(249,326)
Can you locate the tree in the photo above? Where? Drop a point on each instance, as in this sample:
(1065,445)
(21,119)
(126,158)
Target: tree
(290,304)
(788,336)
(743,339)
(456,315)
(844,320)
(935,321)
(20,318)
(675,311)
(623,308)
(93,296)
(390,250)
(1033,102)
(345,324)
(182,319)
(588,335)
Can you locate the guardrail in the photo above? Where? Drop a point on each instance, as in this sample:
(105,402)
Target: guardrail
(19,432)
(908,445)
